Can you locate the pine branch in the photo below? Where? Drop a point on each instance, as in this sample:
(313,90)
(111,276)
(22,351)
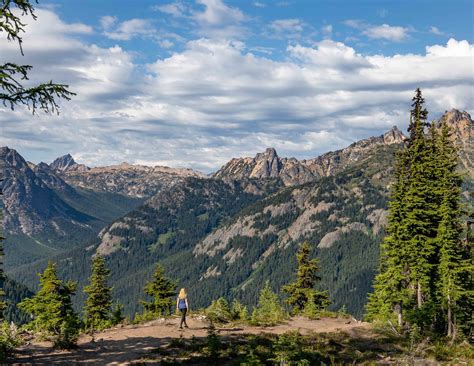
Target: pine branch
(11,23)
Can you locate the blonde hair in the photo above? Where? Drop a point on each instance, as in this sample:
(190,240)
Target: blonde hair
(182,293)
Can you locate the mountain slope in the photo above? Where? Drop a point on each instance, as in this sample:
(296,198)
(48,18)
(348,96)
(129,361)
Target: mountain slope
(42,214)
(166,227)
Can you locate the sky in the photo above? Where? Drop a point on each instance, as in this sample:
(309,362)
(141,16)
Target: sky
(194,83)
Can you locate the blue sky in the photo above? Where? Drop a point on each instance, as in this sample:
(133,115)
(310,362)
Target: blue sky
(195,83)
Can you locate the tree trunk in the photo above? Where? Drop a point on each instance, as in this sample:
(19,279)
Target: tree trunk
(450,321)
(419,297)
(398,311)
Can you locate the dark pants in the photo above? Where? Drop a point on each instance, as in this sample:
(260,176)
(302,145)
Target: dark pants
(183,317)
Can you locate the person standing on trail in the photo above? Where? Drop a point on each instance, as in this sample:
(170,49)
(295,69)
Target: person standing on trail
(182,306)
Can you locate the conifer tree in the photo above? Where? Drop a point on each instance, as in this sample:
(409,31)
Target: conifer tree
(117,314)
(99,301)
(425,274)
(420,216)
(52,309)
(302,291)
(219,311)
(390,296)
(455,263)
(268,310)
(404,284)
(161,290)
(239,311)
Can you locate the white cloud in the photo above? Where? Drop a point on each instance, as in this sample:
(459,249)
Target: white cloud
(219,20)
(285,25)
(216,12)
(436,31)
(453,48)
(176,9)
(387,32)
(329,54)
(166,43)
(128,29)
(107,21)
(327,30)
(216,99)
(383,31)
(259,4)
(285,28)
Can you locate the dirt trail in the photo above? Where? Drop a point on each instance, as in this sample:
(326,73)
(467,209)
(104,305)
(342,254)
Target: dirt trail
(121,346)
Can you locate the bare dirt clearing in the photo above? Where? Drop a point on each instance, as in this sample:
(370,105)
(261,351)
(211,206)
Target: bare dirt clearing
(123,346)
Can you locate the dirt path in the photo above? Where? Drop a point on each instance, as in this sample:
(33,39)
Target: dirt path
(121,346)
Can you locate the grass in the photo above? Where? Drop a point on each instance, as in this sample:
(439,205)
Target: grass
(361,347)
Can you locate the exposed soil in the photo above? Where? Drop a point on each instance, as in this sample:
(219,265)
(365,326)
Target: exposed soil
(123,346)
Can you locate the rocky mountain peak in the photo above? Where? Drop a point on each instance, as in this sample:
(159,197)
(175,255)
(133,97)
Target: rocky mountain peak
(63,163)
(269,154)
(67,163)
(10,157)
(393,136)
(460,122)
(463,136)
(267,165)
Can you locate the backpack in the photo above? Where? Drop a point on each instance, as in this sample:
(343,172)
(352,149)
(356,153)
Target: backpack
(182,304)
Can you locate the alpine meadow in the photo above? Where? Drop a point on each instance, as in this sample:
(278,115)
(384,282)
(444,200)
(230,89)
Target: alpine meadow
(231,182)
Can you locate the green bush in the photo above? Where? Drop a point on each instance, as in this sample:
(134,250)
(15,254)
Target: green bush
(9,339)
(268,311)
(239,311)
(219,311)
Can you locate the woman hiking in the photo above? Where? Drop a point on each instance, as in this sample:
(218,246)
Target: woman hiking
(182,306)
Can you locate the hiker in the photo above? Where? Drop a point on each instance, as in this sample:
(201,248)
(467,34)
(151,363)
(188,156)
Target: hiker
(182,306)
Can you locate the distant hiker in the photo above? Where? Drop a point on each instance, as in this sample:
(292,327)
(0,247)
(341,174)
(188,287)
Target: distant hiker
(182,306)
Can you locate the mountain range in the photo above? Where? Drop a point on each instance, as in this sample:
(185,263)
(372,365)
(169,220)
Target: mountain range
(219,235)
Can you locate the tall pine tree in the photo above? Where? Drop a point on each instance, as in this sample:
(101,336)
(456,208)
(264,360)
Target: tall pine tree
(455,267)
(425,271)
(161,291)
(52,311)
(302,291)
(99,301)
(390,296)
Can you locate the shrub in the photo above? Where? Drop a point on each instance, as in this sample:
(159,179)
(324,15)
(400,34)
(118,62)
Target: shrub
(9,339)
(219,311)
(268,310)
(239,311)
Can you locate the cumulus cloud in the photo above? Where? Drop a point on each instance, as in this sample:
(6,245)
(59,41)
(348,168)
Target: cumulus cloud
(384,31)
(128,29)
(218,99)
(218,20)
(436,31)
(388,32)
